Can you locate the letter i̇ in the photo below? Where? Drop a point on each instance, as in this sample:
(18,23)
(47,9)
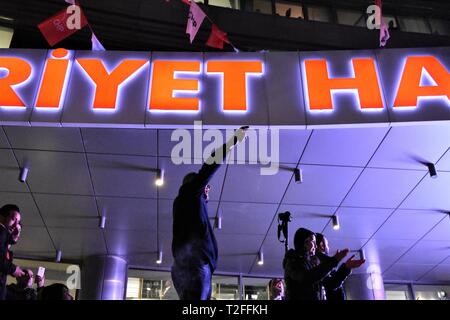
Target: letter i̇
(53,80)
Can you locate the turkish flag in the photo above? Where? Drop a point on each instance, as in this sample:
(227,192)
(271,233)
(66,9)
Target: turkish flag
(58,27)
(216,38)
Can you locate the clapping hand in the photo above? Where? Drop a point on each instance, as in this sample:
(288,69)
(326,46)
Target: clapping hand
(352,264)
(340,254)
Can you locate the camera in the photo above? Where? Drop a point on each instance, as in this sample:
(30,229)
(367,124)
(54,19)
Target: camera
(284,216)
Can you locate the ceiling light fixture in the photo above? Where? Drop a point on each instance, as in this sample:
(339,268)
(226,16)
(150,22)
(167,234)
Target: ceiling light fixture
(160,257)
(432,170)
(260,258)
(159,177)
(58,256)
(102,222)
(298,175)
(335,221)
(24,173)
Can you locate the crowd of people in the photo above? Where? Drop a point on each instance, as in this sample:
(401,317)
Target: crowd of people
(309,272)
(10,230)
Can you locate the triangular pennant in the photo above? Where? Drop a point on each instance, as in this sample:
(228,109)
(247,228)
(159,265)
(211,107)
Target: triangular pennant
(384,33)
(216,38)
(195,20)
(57,28)
(96,45)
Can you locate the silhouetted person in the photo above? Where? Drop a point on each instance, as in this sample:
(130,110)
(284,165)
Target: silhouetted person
(288,12)
(303,273)
(9,219)
(56,291)
(333,283)
(23,289)
(194,245)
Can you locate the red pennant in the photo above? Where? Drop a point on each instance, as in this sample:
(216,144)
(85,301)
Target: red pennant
(216,38)
(55,28)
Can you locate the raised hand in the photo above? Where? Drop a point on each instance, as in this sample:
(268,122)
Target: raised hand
(352,264)
(240,133)
(18,272)
(340,254)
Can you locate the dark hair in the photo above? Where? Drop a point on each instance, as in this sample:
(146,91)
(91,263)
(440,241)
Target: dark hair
(56,291)
(300,237)
(7,208)
(319,238)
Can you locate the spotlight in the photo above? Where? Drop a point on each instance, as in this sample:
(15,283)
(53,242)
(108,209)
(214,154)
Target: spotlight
(218,222)
(23,173)
(58,256)
(298,175)
(159,177)
(160,257)
(432,170)
(335,221)
(260,258)
(102,222)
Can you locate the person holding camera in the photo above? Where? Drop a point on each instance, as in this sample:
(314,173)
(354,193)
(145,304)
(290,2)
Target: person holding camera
(303,272)
(194,245)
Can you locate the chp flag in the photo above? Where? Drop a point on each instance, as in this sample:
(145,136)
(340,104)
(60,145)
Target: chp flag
(195,20)
(58,27)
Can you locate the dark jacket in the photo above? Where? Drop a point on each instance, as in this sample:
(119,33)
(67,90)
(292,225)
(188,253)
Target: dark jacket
(333,283)
(194,243)
(304,276)
(6,265)
(16,293)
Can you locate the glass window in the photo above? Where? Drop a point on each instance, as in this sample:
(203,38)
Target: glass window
(397,292)
(225,288)
(414,24)
(54,273)
(262,6)
(256,289)
(426,292)
(316,13)
(287,9)
(351,18)
(441,27)
(133,288)
(5,37)
(233,4)
(150,285)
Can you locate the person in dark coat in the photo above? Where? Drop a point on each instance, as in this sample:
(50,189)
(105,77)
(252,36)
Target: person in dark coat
(23,289)
(194,245)
(303,272)
(9,218)
(333,283)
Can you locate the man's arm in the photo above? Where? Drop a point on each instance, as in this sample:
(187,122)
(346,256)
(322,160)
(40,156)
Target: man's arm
(316,274)
(213,163)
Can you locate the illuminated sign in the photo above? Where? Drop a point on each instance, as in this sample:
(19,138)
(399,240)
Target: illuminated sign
(323,87)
